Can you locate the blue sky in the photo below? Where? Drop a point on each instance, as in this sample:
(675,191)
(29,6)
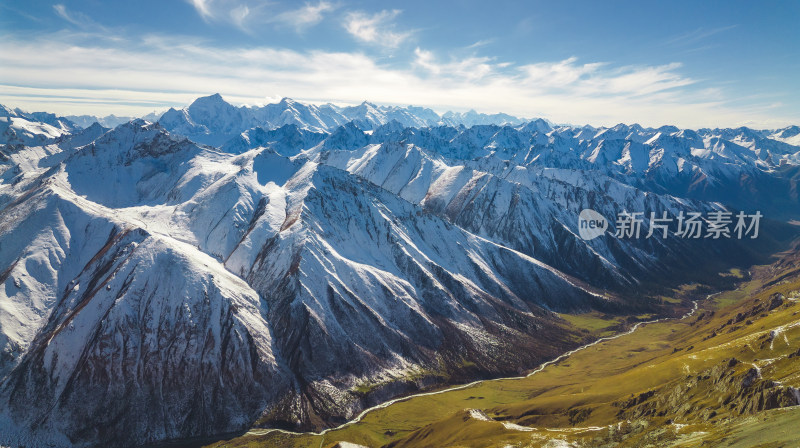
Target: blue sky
(693,64)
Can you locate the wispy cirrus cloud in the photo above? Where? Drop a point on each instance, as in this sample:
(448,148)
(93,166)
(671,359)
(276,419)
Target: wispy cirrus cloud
(597,78)
(480,43)
(473,68)
(203,8)
(377,29)
(697,35)
(76,18)
(247,14)
(306,16)
(239,15)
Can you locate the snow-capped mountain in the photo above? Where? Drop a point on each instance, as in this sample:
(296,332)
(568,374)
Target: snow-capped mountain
(289,140)
(109,121)
(21,128)
(741,167)
(316,260)
(472,118)
(212,120)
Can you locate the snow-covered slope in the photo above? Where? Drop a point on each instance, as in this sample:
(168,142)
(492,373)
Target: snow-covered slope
(154,288)
(533,210)
(742,168)
(180,291)
(288,140)
(22,128)
(473,118)
(109,121)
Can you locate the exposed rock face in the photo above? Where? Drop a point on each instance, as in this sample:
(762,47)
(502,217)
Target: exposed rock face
(731,385)
(146,344)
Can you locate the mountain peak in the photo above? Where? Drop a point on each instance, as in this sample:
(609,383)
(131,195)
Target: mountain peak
(209,100)
(5,111)
(789,132)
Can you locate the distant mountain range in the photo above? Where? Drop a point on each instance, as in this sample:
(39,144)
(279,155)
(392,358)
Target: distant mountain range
(213,121)
(292,264)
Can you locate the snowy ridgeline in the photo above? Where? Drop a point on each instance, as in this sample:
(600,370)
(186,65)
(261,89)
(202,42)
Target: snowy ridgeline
(154,288)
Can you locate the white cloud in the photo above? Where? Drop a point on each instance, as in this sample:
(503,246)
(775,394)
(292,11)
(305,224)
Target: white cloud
(305,16)
(203,8)
(248,13)
(375,28)
(239,15)
(480,43)
(597,79)
(76,18)
(697,35)
(61,10)
(561,74)
(467,69)
(70,73)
